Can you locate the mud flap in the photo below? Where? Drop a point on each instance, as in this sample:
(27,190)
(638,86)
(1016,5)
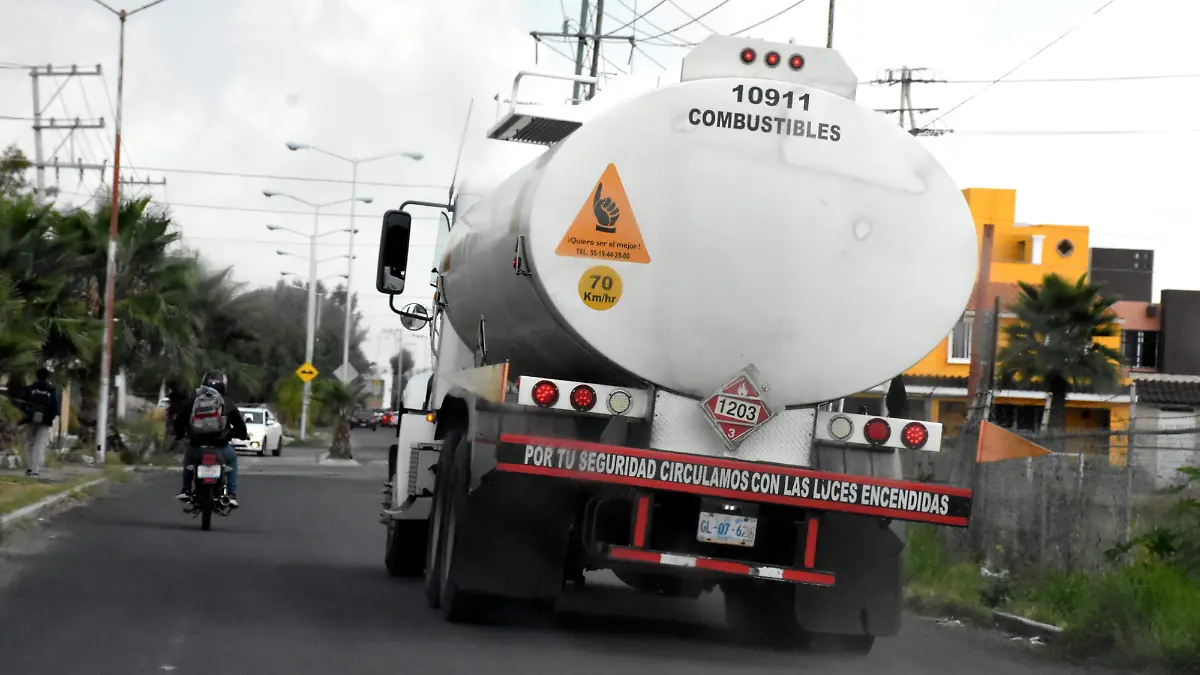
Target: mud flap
(514,537)
(865,555)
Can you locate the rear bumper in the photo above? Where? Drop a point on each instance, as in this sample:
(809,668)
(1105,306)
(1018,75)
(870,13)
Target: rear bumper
(734,479)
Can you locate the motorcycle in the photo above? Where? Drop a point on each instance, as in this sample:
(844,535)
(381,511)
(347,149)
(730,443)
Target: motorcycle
(210,488)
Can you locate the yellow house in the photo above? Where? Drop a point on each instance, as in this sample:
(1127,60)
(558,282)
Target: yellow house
(937,384)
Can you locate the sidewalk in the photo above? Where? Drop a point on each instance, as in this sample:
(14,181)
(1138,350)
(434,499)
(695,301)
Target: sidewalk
(24,497)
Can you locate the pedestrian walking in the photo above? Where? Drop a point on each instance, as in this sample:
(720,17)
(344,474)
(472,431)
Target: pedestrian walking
(41,403)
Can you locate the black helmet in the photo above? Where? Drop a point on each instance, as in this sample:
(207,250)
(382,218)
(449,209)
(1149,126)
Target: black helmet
(215,379)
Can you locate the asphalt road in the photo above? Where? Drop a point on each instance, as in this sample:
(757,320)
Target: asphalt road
(293,583)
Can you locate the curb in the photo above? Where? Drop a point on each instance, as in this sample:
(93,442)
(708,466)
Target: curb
(1026,627)
(27,512)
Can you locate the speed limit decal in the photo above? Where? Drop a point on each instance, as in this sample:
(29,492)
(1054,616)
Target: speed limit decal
(600,287)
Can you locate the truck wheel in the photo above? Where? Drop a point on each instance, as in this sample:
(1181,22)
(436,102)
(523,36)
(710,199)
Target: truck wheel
(762,612)
(854,645)
(458,606)
(433,547)
(405,553)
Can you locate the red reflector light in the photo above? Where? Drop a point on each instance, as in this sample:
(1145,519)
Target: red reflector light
(796,62)
(208,459)
(545,393)
(583,398)
(748,56)
(877,431)
(771,59)
(914,436)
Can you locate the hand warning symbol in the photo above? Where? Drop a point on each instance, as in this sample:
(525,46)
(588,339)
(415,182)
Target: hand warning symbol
(606,212)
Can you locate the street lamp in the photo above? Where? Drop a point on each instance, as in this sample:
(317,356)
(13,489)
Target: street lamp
(354,162)
(312,285)
(319,292)
(110,273)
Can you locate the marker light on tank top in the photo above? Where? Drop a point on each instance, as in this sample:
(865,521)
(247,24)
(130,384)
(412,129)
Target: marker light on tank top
(796,62)
(748,56)
(771,59)
(545,393)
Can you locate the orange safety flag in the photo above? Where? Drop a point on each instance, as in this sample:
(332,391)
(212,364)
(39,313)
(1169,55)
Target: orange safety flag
(997,444)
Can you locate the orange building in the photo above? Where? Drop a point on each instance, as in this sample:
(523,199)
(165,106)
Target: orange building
(937,384)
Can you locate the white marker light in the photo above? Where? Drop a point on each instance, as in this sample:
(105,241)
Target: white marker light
(619,402)
(840,427)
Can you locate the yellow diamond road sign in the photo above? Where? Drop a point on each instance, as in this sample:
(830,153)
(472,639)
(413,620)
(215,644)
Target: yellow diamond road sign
(306,372)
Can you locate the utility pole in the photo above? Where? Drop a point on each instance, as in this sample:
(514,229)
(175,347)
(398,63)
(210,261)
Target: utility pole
(67,72)
(596,46)
(905,77)
(110,274)
(585,36)
(829,30)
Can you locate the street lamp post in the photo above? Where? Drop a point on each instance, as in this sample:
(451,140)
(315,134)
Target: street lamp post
(354,162)
(310,329)
(110,272)
(320,293)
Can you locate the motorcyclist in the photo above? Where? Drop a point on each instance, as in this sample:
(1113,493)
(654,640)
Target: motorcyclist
(235,427)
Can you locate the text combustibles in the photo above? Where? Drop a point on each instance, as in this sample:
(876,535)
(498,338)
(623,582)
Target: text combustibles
(829,490)
(780,126)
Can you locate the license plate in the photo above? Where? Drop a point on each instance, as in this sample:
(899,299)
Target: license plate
(722,528)
(209,471)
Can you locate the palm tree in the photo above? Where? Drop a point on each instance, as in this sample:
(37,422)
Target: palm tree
(1053,342)
(340,400)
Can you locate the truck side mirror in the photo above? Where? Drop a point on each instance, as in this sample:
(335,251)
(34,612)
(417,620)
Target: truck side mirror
(414,316)
(393,252)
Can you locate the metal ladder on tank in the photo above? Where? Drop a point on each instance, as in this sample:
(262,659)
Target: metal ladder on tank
(539,124)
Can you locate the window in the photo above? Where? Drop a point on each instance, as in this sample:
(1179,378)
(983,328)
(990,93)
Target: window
(960,341)
(1139,348)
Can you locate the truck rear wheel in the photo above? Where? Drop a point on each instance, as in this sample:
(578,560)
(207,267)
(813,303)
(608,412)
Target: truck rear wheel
(762,612)
(854,645)
(433,546)
(458,606)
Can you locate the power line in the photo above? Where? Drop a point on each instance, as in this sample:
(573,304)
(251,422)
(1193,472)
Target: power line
(625,25)
(1019,65)
(563,54)
(1112,78)
(693,18)
(644,53)
(648,22)
(222,207)
(776,15)
(18,119)
(239,174)
(1076,132)
(719,5)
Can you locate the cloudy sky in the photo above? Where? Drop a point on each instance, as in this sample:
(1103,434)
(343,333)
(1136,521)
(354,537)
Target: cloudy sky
(221,85)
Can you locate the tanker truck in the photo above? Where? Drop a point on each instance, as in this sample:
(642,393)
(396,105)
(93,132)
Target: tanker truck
(641,339)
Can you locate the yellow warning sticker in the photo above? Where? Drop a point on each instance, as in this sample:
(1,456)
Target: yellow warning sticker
(605,227)
(600,287)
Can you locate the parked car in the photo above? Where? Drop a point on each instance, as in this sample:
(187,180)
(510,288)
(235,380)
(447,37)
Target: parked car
(361,419)
(266,433)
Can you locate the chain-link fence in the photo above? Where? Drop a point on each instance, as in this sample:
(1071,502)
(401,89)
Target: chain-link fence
(1063,511)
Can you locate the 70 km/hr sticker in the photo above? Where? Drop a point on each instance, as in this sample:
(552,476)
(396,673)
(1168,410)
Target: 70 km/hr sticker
(600,287)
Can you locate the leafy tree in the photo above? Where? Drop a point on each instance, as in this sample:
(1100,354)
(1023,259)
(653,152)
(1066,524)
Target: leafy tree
(13,165)
(1053,342)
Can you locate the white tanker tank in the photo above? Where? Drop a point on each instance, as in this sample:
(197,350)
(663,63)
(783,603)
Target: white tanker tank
(694,228)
